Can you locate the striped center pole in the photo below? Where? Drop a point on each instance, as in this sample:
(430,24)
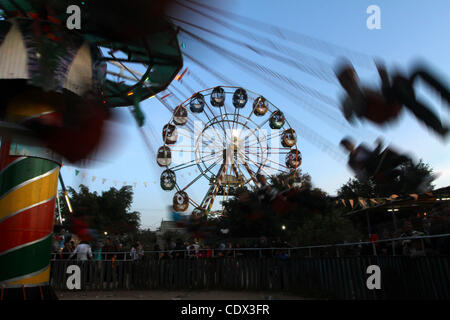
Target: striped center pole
(28,187)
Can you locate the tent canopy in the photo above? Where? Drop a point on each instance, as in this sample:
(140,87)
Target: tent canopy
(159,51)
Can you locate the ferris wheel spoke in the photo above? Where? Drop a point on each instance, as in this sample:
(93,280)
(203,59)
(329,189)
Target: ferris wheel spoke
(199,176)
(278,164)
(211,142)
(246,154)
(209,145)
(218,133)
(258,166)
(248,117)
(270,148)
(194,204)
(215,117)
(212,139)
(223,118)
(192,151)
(265,138)
(180,166)
(198,118)
(181,133)
(236,116)
(217,158)
(257,128)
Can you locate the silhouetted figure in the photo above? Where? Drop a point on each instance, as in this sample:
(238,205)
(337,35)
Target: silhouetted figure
(377,164)
(385,105)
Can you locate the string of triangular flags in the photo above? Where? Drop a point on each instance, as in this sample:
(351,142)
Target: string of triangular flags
(363,203)
(92,178)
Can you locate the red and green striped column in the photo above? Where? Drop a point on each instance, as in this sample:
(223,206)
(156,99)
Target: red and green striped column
(28,187)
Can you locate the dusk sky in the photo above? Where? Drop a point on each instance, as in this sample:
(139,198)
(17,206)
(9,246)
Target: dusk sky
(410,30)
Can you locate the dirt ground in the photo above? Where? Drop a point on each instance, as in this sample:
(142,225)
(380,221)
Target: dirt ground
(174,295)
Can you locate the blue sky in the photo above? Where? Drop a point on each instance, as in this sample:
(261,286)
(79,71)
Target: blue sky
(409,30)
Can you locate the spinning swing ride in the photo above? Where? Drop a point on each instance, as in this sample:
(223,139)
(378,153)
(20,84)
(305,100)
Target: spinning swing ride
(239,135)
(58,86)
(232,147)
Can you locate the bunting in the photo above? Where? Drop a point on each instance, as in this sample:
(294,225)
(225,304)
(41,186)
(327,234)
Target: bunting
(366,202)
(362,202)
(351,202)
(370,202)
(135,184)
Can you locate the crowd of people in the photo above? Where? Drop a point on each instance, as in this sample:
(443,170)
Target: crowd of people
(193,250)
(65,248)
(435,223)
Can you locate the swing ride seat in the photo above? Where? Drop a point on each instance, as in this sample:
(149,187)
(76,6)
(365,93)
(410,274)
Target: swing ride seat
(387,162)
(378,110)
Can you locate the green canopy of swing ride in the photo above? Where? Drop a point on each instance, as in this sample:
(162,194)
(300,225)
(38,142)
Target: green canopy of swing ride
(159,52)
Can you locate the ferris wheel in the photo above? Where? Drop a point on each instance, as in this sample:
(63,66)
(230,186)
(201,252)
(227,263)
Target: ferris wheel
(232,137)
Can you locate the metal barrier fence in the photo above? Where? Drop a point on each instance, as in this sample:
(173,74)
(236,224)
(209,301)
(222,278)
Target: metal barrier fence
(402,277)
(414,246)
(329,270)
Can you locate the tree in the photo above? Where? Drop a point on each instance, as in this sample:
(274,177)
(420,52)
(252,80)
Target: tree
(106,212)
(412,178)
(146,237)
(308,215)
(325,228)
(281,181)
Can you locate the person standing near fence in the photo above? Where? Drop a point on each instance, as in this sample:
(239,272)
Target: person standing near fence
(108,250)
(229,252)
(179,248)
(66,251)
(83,250)
(140,250)
(191,251)
(97,252)
(134,253)
(158,255)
